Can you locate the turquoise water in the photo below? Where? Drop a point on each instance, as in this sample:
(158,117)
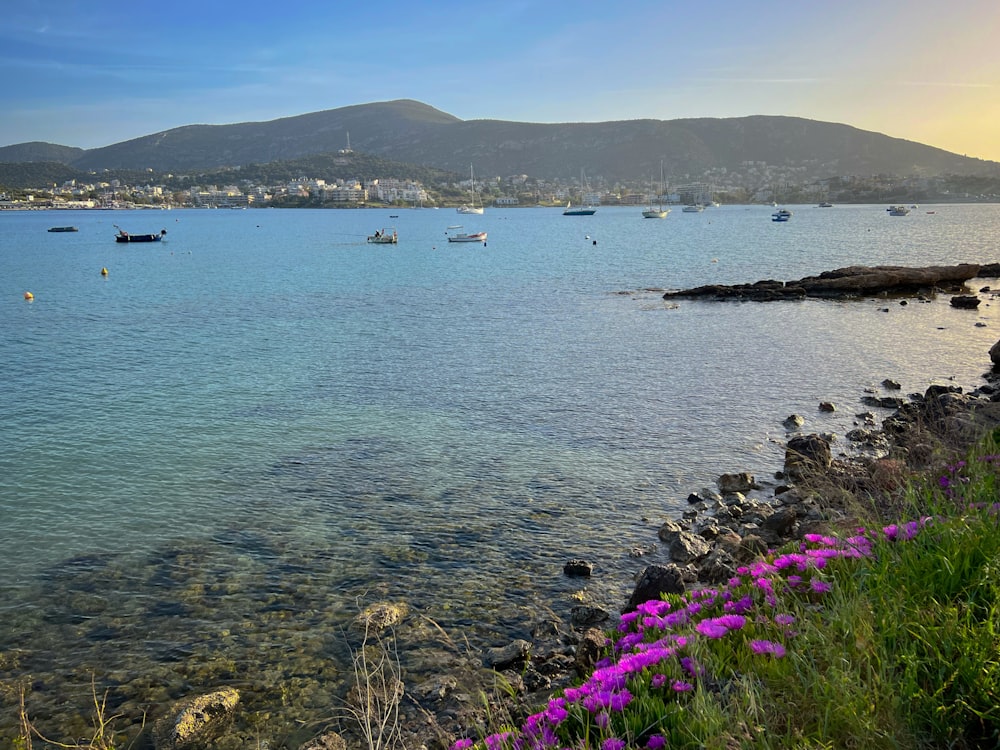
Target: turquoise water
(216,451)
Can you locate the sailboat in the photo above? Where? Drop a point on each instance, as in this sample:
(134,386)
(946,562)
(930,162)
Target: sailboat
(476,207)
(661,212)
(579,210)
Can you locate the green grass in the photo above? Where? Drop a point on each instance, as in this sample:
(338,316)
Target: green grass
(886,637)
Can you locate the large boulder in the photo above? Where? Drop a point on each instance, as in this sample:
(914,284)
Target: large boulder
(740,482)
(806,455)
(655,581)
(995,355)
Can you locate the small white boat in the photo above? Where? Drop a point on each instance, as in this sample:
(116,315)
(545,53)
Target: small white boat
(826,204)
(694,208)
(898,210)
(472,237)
(782,214)
(384,237)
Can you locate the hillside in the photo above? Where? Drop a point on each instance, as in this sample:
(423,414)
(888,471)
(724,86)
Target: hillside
(412,132)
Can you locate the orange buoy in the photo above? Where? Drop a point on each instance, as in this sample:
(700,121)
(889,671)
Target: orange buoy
(29,296)
(104,272)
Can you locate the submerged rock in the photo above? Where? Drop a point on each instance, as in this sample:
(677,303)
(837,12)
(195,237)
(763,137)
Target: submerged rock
(196,721)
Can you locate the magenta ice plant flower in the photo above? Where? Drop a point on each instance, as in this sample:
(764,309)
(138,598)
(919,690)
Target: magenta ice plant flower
(768,647)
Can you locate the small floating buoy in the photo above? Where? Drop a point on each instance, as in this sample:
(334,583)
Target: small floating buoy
(29,296)
(104,272)
(715,260)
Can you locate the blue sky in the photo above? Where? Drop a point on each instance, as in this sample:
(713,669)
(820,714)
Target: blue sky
(93,73)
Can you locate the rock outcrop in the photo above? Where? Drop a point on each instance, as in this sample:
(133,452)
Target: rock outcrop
(853,281)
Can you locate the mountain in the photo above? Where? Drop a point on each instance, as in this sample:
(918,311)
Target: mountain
(39,151)
(413,132)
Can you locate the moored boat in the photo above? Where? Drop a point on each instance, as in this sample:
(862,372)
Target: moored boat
(782,214)
(579,210)
(124,236)
(660,212)
(898,210)
(63,229)
(694,208)
(471,237)
(475,207)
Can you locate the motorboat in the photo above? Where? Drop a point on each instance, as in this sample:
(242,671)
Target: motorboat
(63,229)
(386,236)
(694,208)
(124,236)
(898,210)
(782,214)
(826,204)
(471,237)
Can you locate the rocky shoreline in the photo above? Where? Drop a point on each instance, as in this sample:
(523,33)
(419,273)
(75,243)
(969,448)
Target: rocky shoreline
(731,524)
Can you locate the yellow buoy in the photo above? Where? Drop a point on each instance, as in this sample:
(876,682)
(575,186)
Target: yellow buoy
(29,296)
(104,272)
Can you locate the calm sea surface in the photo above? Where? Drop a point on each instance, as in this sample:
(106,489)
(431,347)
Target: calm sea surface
(213,456)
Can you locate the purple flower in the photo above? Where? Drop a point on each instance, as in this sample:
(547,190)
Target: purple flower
(767,647)
(740,606)
(711,628)
(496,741)
(658,681)
(620,700)
(784,619)
(613,743)
(820,587)
(680,686)
(656,742)
(556,713)
(462,744)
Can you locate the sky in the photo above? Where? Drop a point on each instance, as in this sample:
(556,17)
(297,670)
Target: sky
(97,72)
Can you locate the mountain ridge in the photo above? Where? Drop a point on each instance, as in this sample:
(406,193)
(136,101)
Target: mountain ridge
(407,130)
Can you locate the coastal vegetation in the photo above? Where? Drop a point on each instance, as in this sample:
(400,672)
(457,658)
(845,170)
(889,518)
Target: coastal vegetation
(882,635)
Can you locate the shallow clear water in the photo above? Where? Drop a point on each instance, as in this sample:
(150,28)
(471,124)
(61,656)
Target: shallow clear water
(216,451)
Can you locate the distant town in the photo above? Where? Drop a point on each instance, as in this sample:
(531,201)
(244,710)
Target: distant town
(755,183)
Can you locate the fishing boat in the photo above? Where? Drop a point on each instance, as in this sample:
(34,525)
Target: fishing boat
(476,207)
(124,236)
(782,214)
(386,236)
(661,212)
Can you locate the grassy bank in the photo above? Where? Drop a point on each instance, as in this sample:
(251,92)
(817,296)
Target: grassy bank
(883,636)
